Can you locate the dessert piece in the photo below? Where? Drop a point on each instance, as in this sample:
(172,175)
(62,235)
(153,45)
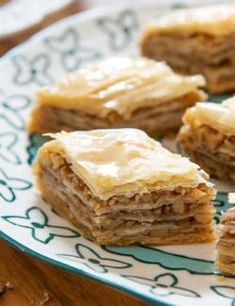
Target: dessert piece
(208,137)
(225,260)
(196,40)
(120,187)
(118,92)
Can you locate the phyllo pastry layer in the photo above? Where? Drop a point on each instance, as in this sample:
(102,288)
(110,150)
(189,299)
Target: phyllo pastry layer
(208,137)
(225,260)
(120,187)
(197,40)
(117,92)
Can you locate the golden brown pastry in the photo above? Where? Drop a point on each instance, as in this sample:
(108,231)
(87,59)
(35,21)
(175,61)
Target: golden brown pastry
(208,137)
(118,92)
(196,40)
(225,260)
(120,187)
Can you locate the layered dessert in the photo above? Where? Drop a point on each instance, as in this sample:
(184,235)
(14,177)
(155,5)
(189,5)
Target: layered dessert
(196,40)
(121,187)
(225,260)
(208,137)
(117,92)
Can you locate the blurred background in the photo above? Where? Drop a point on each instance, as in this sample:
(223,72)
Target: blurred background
(19,19)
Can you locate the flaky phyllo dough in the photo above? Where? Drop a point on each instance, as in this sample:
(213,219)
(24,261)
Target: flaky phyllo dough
(120,187)
(225,260)
(208,137)
(196,40)
(117,92)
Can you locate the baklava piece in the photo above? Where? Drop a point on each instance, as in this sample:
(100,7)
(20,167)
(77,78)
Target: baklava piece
(199,40)
(118,92)
(225,260)
(208,137)
(120,187)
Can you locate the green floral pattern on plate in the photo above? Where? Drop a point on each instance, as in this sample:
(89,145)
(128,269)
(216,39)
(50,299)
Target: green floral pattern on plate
(163,285)
(225,291)
(41,230)
(90,258)
(69,48)
(30,70)
(11,108)
(8,141)
(119,30)
(10,185)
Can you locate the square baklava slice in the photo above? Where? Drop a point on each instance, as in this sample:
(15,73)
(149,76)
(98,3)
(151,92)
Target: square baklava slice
(208,137)
(120,187)
(117,92)
(196,40)
(225,260)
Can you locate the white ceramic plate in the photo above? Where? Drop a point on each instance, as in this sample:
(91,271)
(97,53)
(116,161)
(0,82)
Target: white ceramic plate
(181,275)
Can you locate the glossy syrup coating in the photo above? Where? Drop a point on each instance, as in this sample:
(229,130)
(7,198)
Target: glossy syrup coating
(118,84)
(214,20)
(218,116)
(124,161)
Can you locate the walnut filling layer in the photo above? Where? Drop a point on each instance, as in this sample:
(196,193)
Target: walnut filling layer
(211,149)
(226,244)
(197,53)
(199,48)
(154,120)
(122,220)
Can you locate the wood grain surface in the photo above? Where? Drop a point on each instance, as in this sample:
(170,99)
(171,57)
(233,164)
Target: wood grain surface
(25,280)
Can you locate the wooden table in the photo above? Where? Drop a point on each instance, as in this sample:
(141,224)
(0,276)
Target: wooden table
(25,280)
